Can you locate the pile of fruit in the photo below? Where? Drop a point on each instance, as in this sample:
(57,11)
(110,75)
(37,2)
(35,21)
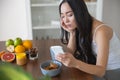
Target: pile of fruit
(18,45)
(13,47)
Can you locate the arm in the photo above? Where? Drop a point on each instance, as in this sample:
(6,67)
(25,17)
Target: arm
(72,42)
(72,39)
(102,38)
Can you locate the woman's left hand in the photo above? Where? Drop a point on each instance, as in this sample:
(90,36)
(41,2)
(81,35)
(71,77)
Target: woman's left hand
(67,59)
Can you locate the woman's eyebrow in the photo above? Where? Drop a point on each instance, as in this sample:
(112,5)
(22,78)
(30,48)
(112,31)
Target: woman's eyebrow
(67,12)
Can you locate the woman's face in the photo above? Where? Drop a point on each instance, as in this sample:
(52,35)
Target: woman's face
(68,21)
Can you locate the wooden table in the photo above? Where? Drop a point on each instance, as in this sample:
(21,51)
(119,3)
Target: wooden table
(33,67)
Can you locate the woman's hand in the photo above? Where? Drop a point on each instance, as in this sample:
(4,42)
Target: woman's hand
(67,59)
(65,27)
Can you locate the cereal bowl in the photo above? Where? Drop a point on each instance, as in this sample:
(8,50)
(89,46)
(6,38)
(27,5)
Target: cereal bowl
(51,67)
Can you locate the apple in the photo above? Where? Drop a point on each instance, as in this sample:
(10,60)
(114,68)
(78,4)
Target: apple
(10,48)
(17,41)
(9,42)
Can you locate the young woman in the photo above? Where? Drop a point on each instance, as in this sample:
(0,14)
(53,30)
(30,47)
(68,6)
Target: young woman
(93,46)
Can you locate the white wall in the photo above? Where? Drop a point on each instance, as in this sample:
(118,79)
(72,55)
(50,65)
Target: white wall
(111,14)
(15,20)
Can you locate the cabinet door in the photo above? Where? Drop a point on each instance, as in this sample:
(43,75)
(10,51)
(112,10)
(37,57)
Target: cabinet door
(45,19)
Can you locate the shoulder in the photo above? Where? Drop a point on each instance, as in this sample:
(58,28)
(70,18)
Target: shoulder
(101,30)
(104,32)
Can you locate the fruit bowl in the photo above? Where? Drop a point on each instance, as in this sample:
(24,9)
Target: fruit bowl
(51,67)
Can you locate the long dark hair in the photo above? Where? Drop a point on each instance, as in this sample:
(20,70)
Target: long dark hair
(84,22)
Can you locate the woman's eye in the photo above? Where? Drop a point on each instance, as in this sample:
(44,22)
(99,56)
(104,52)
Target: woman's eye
(70,15)
(62,17)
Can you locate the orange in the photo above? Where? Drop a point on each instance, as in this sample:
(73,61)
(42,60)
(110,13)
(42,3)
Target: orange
(19,49)
(27,44)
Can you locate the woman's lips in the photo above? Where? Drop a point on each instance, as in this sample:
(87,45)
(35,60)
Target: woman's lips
(68,26)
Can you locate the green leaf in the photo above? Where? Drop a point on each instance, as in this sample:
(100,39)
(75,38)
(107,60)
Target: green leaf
(9,71)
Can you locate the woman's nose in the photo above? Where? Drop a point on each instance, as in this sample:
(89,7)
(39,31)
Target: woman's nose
(66,19)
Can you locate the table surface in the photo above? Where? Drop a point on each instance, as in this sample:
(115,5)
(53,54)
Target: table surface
(33,67)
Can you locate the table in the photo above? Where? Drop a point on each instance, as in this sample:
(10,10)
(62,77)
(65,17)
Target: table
(33,67)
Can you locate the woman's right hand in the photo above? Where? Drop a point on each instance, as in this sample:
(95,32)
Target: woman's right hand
(67,59)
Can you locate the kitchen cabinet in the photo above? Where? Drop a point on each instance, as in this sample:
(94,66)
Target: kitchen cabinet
(45,18)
